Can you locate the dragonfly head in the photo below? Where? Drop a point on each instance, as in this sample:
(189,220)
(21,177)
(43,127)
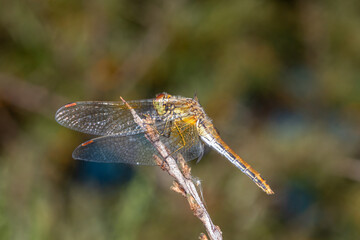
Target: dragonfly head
(160,103)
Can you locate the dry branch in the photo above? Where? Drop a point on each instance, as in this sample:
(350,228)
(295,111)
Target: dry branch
(183,183)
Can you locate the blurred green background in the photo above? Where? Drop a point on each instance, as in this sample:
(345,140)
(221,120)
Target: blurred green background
(280,79)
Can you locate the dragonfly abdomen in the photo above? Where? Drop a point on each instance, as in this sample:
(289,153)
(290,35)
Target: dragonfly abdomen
(214,141)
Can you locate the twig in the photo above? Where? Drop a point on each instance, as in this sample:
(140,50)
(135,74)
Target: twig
(183,181)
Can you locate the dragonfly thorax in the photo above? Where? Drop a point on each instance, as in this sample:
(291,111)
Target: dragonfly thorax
(177,107)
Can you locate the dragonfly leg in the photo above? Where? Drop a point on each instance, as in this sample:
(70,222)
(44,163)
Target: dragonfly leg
(183,142)
(166,131)
(162,132)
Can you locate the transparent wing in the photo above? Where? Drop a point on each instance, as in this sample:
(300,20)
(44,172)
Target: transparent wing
(104,118)
(136,149)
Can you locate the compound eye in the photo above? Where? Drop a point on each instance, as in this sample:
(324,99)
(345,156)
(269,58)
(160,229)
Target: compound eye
(160,96)
(163,96)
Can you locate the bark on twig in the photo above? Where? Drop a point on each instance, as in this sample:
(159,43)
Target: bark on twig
(183,183)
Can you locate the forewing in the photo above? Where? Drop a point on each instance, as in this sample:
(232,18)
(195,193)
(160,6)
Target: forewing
(104,118)
(137,149)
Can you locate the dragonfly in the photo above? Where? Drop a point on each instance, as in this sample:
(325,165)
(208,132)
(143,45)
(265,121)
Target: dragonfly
(181,122)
